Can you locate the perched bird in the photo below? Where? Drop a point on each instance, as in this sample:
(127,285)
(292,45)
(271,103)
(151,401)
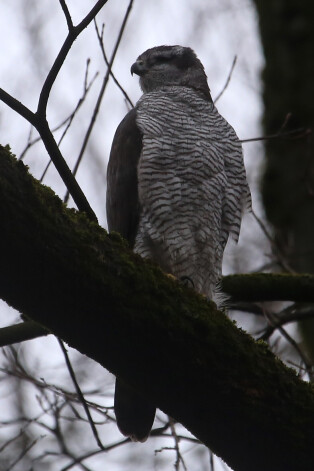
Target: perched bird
(176,187)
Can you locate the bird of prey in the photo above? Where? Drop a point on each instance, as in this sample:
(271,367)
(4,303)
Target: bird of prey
(176,187)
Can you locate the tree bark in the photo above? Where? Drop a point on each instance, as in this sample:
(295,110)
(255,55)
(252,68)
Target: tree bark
(287,36)
(64,272)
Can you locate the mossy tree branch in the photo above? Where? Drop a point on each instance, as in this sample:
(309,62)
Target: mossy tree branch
(248,288)
(270,287)
(64,272)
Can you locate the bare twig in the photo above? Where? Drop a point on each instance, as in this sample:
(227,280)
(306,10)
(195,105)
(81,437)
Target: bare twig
(299,133)
(291,314)
(160,432)
(64,171)
(100,36)
(39,121)
(74,32)
(95,452)
(23,453)
(12,439)
(17,106)
(179,458)
(66,14)
(20,373)
(285,122)
(272,320)
(101,94)
(68,121)
(280,257)
(227,81)
(80,394)
(211,460)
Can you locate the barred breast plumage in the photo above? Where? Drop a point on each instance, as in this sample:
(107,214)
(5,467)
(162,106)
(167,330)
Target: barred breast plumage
(191,183)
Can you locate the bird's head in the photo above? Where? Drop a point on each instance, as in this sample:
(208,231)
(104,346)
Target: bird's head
(164,66)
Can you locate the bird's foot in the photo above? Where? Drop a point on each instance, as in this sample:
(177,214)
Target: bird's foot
(187,281)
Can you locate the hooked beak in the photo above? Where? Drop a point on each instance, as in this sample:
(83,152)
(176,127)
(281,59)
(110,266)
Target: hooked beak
(138,68)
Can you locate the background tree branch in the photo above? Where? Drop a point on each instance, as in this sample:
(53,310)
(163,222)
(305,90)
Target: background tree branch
(269,287)
(39,118)
(20,332)
(63,271)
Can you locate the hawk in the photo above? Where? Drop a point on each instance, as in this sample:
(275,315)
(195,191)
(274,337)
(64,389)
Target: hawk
(176,187)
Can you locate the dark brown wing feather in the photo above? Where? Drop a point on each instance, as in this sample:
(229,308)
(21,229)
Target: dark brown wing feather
(134,413)
(123,208)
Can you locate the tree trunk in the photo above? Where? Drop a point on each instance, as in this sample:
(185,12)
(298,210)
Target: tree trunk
(287,36)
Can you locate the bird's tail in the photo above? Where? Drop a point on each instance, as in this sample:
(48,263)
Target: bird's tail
(134,413)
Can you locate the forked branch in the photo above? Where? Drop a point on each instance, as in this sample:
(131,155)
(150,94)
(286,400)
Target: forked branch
(38,119)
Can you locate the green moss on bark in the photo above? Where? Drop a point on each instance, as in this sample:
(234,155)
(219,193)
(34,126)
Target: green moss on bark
(66,273)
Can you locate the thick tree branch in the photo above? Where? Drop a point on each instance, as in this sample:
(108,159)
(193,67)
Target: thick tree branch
(64,272)
(255,287)
(41,124)
(63,169)
(270,287)
(20,332)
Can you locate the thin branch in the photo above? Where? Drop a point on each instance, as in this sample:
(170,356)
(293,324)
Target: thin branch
(100,37)
(299,133)
(285,122)
(101,94)
(63,170)
(17,106)
(66,121)
(95,452)
(227,81)
(87,87)
(39,121)
(20,373)
(66,14)
(23,453)
(272,320)
(280,257)
(12,439)
(248,308)
(55,69)
(30,143)
(291,314)
(80,394)
(70,118)
(211,460)
(179,457)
